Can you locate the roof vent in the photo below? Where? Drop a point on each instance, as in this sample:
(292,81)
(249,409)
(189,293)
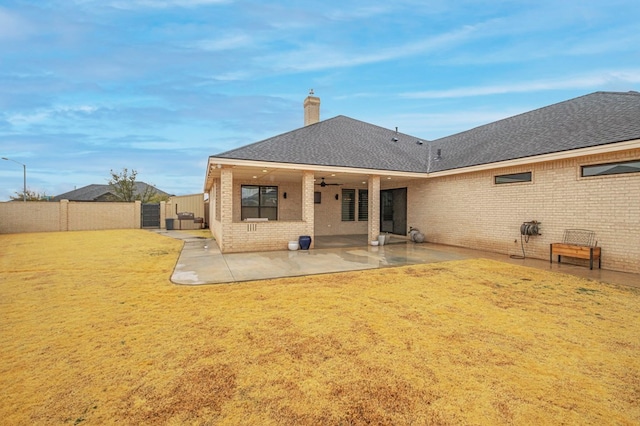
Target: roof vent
(419,142)
(394,139)
(438,154)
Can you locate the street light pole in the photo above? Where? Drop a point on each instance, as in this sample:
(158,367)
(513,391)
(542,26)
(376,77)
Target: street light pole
(24,177)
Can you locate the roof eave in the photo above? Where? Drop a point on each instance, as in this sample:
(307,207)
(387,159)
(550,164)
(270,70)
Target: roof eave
(219,163)
(554,156)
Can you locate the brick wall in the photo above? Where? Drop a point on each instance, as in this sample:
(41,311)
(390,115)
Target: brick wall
(242,236)
(92,216)
(34,216)
(328,214)
(469,210)
(264,236)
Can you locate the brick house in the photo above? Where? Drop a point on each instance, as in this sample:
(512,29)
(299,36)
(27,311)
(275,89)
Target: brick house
(105,193)
(575,164)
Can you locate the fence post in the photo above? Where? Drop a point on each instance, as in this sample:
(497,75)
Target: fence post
(64,215)
(163,214)
(137,210)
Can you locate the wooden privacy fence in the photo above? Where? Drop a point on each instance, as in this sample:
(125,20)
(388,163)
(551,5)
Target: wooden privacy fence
(36,216)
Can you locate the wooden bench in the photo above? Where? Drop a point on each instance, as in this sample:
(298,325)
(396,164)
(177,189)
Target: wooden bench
(578,243)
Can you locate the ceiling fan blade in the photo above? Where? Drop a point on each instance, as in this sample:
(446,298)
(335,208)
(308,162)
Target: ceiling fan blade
(323,183)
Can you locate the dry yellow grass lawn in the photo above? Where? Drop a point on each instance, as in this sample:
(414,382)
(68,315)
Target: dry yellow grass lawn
(93,332)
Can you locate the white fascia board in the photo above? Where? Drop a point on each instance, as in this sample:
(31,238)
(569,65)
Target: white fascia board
(213,161)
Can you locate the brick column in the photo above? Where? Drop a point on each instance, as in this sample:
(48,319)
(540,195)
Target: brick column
(213,202)
(374,207)
(137,215)
(308,207)
(226,209)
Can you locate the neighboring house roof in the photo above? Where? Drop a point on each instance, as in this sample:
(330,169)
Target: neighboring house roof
(339,141)
(596,119)
(96,192)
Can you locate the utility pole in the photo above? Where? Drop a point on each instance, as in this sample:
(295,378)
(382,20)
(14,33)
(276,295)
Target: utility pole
(24,177)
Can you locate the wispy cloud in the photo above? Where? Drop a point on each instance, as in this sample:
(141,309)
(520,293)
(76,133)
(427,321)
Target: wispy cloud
(436,125)
(14,26)
(228,42)
(361,95)
(517,49)
(232,76)
(357,13)
(604,79)
(155,4)
(314,57)
(43,115)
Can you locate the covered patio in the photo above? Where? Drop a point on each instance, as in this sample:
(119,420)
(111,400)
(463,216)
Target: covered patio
(261,207)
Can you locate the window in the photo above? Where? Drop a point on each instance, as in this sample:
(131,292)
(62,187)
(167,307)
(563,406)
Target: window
(611,168)
(259,202)
(363,204)
(317,197)
(513,178)
(348,205)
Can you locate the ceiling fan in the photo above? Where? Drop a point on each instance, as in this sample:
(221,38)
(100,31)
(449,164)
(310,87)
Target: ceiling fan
(323,184)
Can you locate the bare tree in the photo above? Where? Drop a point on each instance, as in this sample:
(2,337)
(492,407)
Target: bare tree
(123,185)
(30,196)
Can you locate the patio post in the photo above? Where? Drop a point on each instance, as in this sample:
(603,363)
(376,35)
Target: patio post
(374,208)
(226,209)
(308,206)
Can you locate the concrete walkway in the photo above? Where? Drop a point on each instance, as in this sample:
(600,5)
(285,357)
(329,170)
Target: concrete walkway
(201,261)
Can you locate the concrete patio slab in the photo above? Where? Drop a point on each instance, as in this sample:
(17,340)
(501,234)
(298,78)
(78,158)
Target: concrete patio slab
(201,261)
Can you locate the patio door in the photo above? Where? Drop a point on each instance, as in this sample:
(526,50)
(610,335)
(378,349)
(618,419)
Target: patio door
(393,211)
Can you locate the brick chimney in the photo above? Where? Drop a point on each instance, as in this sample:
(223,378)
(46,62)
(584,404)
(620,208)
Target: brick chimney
(311,109)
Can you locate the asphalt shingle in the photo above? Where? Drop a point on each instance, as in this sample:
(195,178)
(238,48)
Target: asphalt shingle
(96,192)
(339,141)
(596,119)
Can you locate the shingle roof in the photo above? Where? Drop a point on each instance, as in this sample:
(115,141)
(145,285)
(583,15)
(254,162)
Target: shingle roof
(339,141)
(599,118)
(94,192)
(596,119)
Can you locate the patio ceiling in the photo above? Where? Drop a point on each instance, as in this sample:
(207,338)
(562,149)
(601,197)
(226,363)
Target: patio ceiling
(266,175)
(263,174)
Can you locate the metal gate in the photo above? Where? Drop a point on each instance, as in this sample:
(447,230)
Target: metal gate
(150,215)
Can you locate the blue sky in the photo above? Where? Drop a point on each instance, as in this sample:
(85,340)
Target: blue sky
(87,86)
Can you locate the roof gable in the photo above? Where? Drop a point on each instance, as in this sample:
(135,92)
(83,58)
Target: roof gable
(339,141)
